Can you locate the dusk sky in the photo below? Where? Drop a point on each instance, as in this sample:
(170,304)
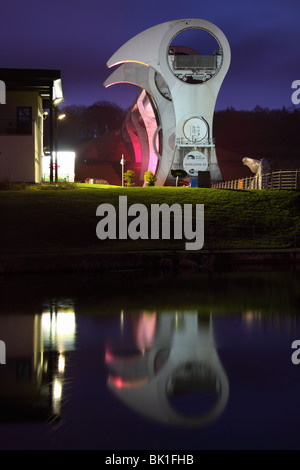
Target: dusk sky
(78,37)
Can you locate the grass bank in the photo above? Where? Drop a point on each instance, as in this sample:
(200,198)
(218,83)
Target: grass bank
(47,221)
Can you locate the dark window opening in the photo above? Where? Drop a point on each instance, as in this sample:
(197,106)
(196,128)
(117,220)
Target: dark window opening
(24,120)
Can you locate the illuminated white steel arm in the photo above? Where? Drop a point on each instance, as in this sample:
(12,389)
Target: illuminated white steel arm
(147,78)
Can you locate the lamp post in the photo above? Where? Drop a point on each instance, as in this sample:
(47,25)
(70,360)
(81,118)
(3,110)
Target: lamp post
(58,117)
(123,161)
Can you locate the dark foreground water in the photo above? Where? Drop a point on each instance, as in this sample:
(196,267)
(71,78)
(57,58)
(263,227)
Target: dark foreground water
(136,362)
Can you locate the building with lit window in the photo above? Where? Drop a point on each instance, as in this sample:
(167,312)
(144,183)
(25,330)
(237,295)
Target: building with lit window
(31,96)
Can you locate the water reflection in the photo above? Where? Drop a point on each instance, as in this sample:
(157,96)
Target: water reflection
(174,375)
(37,348)
(192,362)
(58,339)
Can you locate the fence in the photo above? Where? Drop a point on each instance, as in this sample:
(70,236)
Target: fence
(283,179)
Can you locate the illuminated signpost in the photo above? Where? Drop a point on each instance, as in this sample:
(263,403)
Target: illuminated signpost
(123,161)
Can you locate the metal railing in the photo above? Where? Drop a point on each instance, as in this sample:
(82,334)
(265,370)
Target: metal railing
(15,127)
(282,179)
(183,142)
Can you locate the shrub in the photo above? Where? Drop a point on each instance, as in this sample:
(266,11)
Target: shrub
(149,178)
(5,184)
(129,178)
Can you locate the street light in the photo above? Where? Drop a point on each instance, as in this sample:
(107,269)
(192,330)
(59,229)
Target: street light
(123,161)
(59,117)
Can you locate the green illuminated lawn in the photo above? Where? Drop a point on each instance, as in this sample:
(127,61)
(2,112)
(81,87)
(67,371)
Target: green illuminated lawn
(42,221)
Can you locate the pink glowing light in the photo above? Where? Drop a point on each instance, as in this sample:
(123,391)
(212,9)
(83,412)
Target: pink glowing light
(145,332)
(146,135)
(119,383)
(108,357)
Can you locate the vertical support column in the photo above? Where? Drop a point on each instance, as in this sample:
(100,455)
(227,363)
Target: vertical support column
(51,134)
(55,144)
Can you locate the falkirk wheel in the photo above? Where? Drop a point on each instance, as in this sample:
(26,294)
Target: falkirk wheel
(182,85)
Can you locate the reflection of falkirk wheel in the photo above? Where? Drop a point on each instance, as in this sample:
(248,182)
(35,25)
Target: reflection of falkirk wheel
(182,361)
(183,89)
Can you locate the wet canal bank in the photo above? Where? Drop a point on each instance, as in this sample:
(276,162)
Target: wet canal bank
(200,261)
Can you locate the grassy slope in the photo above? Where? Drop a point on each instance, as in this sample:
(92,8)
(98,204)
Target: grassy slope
(65,220)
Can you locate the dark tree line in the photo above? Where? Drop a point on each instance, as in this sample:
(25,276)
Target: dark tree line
(259,130)
(83,123)
(259,127)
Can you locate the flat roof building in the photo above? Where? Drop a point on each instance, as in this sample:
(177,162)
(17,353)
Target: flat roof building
(30,96)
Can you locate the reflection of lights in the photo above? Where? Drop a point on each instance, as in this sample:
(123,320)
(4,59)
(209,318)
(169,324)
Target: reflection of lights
(56,395)
(65,323)
(122,320)
(250,316)
(118,382)
(146,328)
(53,328)
(108,357)
(58,335)
(57,390)
(61,363)
(59,329)
(46,321)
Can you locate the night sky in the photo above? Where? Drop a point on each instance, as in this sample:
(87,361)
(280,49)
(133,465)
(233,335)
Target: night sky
(78,37)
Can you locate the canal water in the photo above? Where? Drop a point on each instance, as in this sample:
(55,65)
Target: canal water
(133,361)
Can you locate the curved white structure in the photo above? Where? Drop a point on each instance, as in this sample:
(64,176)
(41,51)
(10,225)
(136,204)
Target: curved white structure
(146,78)
(183,89)
(178,357)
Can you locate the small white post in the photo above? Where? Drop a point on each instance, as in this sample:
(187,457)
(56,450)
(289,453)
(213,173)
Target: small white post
(123,161)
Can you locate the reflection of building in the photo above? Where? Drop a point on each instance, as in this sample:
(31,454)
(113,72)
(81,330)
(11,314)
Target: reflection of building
(175,377)
(28,94)
(58,336)
(36,351)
